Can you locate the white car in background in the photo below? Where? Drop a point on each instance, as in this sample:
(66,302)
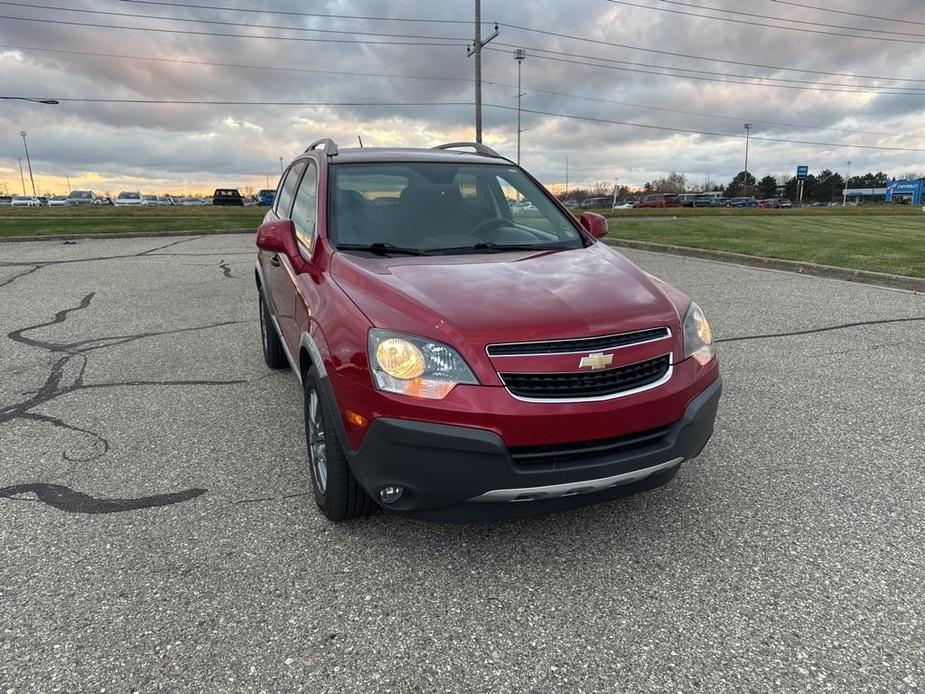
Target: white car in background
(190,202)
(128,198)
(57,201)
(149,200)
(25,201)
(81,197)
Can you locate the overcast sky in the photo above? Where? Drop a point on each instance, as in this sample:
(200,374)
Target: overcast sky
(156,148)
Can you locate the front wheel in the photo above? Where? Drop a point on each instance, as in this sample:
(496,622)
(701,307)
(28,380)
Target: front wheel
(336,491)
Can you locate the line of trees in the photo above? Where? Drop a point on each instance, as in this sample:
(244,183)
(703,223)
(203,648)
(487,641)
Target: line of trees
(824,186)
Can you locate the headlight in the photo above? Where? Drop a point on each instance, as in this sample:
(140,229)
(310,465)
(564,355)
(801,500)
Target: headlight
(415,366)
(698,337)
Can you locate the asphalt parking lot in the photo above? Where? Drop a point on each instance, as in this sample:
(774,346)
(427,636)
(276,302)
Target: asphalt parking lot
(156,532)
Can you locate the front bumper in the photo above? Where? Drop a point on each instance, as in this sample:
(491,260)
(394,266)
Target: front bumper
(466,473)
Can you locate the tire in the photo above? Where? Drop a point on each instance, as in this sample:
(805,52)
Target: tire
(273,353)
(337,493)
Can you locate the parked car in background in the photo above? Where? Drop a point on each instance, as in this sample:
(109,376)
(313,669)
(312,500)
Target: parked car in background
(57,201)
(702,201)
(227,197)
(659,200)
(265,197)
(81,197)
(149,200)
(6,200)
(742,202)
(719,202)
(128,198)
(190,202)
(25,201)
(785,203)
(623,206)
(43,201)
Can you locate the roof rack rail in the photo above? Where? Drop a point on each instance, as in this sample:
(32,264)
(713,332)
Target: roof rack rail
(477,146)
(330,147)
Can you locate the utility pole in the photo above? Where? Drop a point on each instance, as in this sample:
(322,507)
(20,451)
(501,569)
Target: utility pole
(844,195)
(29,162)
(748,127)
(519,55)
(476,50)
(22,177)
(68,179)
(566,176)
(614,205)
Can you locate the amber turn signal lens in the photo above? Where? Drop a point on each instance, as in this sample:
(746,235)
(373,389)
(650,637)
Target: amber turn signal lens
(356,419)
(400,359)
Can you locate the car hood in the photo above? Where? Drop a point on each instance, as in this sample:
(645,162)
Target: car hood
(505,297)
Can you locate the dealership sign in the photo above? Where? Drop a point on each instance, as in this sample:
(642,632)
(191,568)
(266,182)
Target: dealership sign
(802,172)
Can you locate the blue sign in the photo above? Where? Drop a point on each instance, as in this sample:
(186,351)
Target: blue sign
(802,172)
(914,190)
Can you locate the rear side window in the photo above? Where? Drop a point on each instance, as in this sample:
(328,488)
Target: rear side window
(287,189)
(303,211)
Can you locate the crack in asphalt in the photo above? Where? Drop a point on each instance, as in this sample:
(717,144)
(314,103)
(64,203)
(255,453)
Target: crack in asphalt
(66,499)
(226,269)
(149,253)
(828,328)
(56,386)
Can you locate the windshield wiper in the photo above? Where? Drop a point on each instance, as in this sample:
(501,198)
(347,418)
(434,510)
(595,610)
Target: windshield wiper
(489,247)
(380,248)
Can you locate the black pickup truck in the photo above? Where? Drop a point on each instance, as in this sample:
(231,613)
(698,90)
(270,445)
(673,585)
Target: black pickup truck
(227,196)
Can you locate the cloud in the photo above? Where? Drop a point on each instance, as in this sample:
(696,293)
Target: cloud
(183,147)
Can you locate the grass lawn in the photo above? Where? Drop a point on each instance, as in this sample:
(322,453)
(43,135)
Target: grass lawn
(44,221)
(879,239)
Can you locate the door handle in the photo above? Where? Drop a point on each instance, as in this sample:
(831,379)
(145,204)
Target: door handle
(274,259)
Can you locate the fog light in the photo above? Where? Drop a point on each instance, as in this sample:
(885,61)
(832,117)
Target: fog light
(389,495)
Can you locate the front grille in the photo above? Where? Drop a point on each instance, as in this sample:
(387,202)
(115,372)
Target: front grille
(585,344)
(587,384)
(552,456)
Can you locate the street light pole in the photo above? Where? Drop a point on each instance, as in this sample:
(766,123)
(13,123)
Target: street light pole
(28,161)
(844,195)
(519,55)
(748,127)
(22,177)
(614,205)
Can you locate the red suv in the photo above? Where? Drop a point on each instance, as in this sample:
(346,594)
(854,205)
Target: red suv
(465,355)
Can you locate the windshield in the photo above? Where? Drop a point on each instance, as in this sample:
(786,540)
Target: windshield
(444,207)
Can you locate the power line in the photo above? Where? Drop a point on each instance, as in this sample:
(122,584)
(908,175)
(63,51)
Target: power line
(445,42)
(298,14)
(521,28)
(764,25)
(901,20)
(699,57)
(845,89)
(191,102)
(713,73)
(380,75)
(792,21)
(246,25)
(692,131)
(204,102)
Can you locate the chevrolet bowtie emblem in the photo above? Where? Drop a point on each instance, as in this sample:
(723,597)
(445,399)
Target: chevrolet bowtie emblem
(596,361)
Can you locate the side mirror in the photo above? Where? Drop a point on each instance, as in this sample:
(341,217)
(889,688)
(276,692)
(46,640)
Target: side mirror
(278,237)
(594,224)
